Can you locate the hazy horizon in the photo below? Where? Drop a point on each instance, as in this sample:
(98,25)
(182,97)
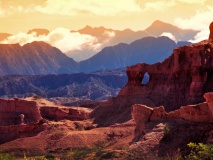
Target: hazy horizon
(20,15)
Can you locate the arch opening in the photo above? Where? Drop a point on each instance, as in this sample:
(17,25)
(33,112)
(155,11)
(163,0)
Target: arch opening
(146,78)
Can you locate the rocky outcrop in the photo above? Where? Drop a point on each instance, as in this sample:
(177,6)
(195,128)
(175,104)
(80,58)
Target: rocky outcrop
(198,113)
(62,113)
(25,117)
(17,111)
(180,80)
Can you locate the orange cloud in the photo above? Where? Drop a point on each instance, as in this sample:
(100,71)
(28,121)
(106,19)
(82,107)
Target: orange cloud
(100,7)
(68,42)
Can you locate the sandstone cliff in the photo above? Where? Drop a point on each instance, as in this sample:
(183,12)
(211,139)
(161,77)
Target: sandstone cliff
(24,117)
(17,111)
(199,113)
(180,80)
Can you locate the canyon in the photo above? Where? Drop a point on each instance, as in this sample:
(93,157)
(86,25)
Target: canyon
(173,108)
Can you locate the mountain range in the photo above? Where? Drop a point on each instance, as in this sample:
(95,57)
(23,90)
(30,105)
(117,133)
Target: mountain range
(101,37)
(41,58)
(148,50)
(34,58)
(79,86)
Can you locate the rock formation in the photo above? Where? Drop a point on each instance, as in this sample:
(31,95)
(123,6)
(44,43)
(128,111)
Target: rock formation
(24,117)
(211,32)
(61,113)
(194,113)
(17,111)
(180,80)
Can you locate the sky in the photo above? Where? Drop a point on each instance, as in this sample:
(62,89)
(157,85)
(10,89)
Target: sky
(23,15)
(17,17)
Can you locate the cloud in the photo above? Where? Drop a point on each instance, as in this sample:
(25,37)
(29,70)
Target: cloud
(68,42)
(100,7)
(169,35)
(60,37)
(193,1)
(203,35)
(200,21)
(109,33)
(158,5)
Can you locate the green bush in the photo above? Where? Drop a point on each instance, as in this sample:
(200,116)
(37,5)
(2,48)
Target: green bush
(200,151)
(5,156)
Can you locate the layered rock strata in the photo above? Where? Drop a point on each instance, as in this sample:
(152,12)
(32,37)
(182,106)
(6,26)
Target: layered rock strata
(199,113)
(17,111)
(24,117)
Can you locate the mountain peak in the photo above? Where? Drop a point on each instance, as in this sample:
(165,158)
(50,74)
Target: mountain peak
(4,36)
(159,24)
(39,31)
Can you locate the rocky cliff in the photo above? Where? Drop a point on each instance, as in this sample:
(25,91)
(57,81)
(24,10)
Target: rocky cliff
(199,113)
(17,111)
(24,117)
(180,80)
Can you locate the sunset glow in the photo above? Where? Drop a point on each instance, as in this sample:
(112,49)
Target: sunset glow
(22,15)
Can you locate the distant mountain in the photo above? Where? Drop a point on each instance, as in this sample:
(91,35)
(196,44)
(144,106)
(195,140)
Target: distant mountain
(100,37)
(109,37)
(159,27)
(41,58)
(148,50)
(127,36)
(34,58)
(92,86)
(4,36)
(39,31)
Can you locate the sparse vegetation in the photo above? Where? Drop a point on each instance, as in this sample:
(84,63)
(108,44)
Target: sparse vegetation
(200,151)
(167,133)
(5,156)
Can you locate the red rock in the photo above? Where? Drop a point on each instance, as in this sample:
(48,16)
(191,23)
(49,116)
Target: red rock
(180,80)
(62,113)
(194,113)
(211,32)
(11,110)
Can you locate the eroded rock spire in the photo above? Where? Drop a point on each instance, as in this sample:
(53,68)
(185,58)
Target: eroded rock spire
(211,32)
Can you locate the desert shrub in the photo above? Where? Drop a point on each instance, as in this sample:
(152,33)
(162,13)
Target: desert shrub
(167,133)
(5,156)
(200,151)
(95,153)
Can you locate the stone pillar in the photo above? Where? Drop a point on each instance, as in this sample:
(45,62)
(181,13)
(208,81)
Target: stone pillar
(140,114)
(211,32)
(21,119)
